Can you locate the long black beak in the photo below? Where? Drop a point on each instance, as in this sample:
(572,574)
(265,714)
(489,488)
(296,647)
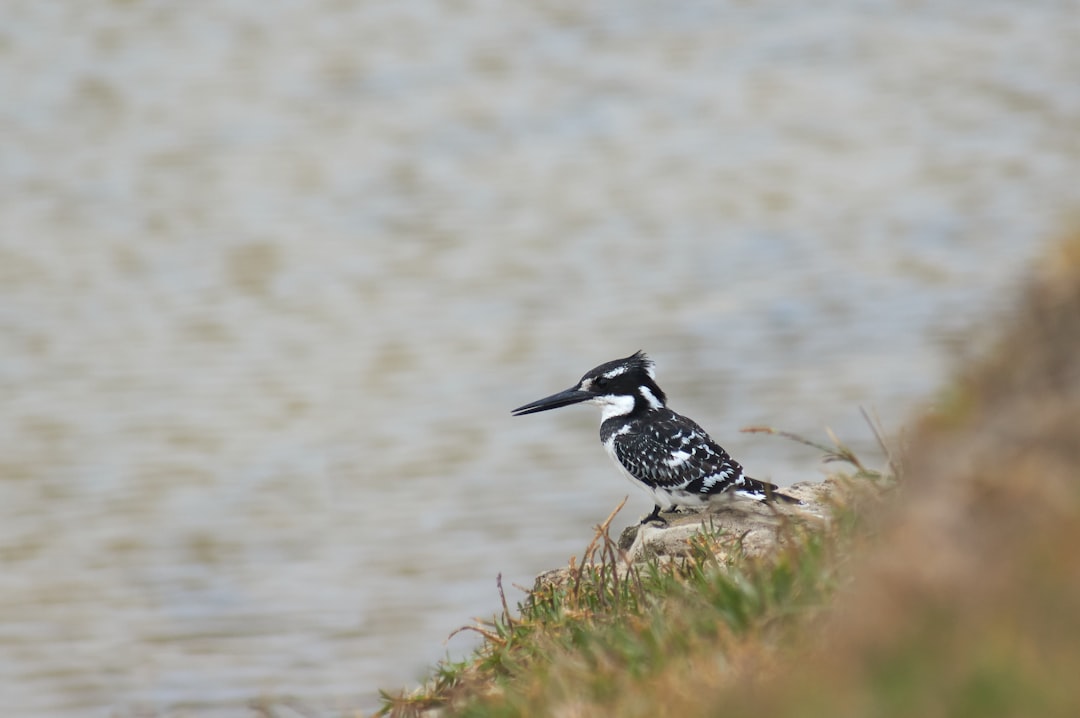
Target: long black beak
(563,398)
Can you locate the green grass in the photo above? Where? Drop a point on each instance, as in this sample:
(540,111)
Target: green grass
(606,625)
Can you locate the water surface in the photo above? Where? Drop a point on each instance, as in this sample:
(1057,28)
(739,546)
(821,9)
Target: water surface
(272,276)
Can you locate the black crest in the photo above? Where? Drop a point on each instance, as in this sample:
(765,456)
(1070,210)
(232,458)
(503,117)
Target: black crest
(624,376)
(637,363)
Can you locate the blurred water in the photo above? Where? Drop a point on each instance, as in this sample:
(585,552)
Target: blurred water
(273,274)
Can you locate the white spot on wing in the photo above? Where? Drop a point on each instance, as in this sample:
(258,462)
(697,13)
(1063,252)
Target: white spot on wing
(677,458)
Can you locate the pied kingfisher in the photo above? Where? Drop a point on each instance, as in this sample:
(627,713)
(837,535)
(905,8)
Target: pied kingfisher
(664,453)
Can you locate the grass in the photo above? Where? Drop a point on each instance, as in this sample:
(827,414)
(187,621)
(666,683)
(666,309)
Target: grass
(603,625)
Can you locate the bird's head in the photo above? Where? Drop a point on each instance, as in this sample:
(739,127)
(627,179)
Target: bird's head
(621,387)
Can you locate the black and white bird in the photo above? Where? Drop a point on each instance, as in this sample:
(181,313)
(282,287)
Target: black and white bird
(664,453)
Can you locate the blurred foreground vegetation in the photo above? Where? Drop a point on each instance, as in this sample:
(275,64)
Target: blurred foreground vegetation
(951,590)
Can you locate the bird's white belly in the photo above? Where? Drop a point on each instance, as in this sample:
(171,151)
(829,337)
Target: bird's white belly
(665,498)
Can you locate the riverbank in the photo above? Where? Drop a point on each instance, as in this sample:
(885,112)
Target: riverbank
(949,589)
(633,614)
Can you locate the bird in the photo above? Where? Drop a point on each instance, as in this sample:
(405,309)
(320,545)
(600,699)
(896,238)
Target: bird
(664,453)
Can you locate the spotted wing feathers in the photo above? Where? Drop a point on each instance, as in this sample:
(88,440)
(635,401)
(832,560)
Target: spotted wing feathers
(669,451)
(673,452)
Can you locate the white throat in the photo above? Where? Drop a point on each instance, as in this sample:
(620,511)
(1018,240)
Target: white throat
(614,405)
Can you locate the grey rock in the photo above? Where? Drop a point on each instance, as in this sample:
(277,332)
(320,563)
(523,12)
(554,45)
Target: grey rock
(753,527)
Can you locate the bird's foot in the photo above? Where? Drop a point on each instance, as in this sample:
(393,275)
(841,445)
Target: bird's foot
(654,516)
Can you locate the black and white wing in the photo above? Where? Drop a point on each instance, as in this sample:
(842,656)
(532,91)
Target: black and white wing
(674,453)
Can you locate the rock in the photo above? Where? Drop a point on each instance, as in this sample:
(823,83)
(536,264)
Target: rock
(755,526)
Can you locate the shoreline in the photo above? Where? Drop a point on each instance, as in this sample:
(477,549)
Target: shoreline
(946,587)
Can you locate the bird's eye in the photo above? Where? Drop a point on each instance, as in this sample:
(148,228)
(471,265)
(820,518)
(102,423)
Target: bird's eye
(601,382)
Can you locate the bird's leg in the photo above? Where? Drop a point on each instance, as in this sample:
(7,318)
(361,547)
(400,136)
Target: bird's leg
(654,516)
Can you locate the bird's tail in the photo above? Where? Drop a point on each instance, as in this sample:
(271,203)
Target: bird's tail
(766,491)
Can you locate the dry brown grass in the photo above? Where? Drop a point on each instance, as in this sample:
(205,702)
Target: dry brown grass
(968,603)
